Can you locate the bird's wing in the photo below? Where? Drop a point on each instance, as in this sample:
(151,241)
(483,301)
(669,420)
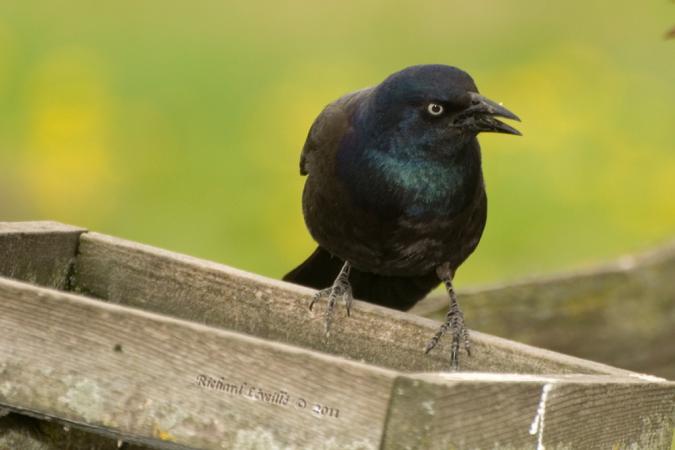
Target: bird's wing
(329,128)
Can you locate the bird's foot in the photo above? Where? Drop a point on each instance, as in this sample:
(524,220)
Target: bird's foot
(454,321)
(340,289)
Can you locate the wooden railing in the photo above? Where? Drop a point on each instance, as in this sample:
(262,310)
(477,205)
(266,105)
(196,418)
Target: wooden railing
(139,345)
(622,313)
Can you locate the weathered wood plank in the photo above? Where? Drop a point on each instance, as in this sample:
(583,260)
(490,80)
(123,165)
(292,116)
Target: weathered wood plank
(84,377)
(152,378)
(484,411)
(175,384)
(156,280)
(621,314)
(38,252)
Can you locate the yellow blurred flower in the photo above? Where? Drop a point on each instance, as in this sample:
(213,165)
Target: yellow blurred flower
(67,161)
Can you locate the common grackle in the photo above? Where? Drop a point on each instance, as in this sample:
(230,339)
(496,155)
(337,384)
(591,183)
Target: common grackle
(394,193)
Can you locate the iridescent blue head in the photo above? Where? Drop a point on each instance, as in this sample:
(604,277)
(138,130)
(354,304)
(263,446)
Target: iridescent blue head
(433,105)
(412,145)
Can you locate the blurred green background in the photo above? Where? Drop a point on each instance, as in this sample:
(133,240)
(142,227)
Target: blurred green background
(180,125)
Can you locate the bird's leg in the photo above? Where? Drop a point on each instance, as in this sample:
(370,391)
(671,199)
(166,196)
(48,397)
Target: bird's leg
(340,288)
(454,320)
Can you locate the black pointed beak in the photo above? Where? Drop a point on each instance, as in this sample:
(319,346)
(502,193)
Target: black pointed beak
(482,116)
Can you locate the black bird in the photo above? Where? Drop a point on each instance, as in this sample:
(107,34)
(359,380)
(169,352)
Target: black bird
(394,193)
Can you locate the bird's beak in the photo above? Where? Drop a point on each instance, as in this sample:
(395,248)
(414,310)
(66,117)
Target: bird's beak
(481,116)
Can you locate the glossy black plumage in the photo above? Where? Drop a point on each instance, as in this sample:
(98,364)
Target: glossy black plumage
(394,190)
(321,268)
(394,193)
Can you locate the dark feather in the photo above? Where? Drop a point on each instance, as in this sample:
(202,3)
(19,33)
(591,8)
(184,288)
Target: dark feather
(321,268)
(393,189)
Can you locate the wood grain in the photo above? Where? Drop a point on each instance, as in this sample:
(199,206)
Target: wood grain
(138,374)
(143,377)
(125,372)
(621,313)
(156,280)
(38,252)
(471,411)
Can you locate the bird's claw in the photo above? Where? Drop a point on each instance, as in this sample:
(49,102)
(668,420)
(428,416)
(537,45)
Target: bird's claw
(460,338)
(340,289)
(454,321)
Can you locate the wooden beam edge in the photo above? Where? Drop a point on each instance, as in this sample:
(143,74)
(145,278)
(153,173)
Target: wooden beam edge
(187,363)
(625,264)
(484,377)
(97,430)
(198,328)
(430,326)
(38,227)
(617,375)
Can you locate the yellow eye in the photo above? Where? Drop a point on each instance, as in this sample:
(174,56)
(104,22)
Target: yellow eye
(435,109)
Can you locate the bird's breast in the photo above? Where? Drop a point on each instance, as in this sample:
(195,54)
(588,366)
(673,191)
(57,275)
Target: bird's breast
(419,187)
(394,186)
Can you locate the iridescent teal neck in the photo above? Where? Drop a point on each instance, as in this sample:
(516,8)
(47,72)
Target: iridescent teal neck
(410,181)
(398,168)
(426,185)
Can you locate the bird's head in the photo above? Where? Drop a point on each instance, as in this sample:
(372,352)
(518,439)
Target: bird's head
(436,102)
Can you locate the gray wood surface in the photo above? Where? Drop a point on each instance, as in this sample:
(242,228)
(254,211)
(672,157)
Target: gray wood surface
(434,411)
(125,369)
(621,313)
(165,382)
(137,275)
(149,377)
(38,252)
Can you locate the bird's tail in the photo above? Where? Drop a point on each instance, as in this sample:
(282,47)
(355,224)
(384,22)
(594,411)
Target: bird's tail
(321,268)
